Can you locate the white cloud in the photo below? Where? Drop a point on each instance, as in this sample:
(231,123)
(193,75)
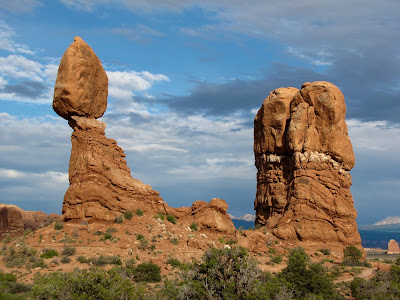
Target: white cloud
(17,66)
(7,43)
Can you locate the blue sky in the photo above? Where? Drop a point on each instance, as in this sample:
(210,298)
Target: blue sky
(186,80)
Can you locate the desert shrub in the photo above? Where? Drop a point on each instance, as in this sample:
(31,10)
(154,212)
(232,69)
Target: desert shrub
(111,230)
(325,251)
(106,260)
(119,219)
(159,216)
(174,241)
(84,284)
(107,236)
(48,253)
(69,251)
(352,256)
(82,259)
(308,279)
(146,272)
(152,247)
(139,212)
(193,226)
(258,226)
(277,259)
(174,262)
(128,215)
(171,219)
(58,225)
(65,259)
(130,263)
(140,237)
(144,244)
(9,285)
(97,233)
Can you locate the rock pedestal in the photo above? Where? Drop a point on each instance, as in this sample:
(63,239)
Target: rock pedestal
(101,186)
(303,155)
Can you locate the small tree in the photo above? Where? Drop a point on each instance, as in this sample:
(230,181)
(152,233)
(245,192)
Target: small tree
(352,256)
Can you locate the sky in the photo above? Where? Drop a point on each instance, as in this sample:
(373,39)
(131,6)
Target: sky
(186,78)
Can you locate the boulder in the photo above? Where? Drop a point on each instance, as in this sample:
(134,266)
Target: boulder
(82,85)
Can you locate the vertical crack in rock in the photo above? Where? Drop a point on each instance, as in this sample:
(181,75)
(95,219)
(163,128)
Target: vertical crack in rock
(303,155)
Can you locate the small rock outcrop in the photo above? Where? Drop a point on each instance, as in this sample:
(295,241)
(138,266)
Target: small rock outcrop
(14,220)
(303,155)
(101,185)
(393,247)
(210,216)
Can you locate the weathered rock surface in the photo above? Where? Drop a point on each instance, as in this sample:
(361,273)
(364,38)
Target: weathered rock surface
(211,216)
(14,220)
(303,155)
(101,185)
(393,247)
(82,85)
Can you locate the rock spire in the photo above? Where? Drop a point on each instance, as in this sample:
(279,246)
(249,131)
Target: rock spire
(303,155)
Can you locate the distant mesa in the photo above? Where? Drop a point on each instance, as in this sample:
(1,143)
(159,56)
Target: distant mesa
(303,155)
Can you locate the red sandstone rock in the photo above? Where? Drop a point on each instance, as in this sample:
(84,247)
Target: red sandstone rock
(393,247)
(82,85)
(303,155)
(14,220)
(211,216)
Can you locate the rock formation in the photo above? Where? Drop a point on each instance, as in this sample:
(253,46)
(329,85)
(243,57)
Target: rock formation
(101,186)
(212,216)
(14,220)
(303,155)
(393,247)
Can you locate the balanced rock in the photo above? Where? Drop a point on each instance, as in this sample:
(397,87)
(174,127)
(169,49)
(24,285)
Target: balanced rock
(101,185)
(303,155)
(82,85)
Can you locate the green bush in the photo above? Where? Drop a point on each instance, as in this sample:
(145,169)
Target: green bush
(171,219)
(69,251)
(106,260)
(48,253)
(144,244)
(119,219)
(58,225)
(277,259)
(111,230)
(65,259)
(139,212)
(325,251)
(82,259)
(84,284)
(174,262)
(309,279)
(174,241)
(193,226)
(352,256)
(159,216)
(147,272)
(9,285)
(128,215)
(140,237)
